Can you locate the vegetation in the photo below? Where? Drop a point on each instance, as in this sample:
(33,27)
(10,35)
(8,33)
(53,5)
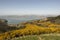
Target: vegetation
(35,27)
(54,19)
(27,38)
(39,37)
(4,27)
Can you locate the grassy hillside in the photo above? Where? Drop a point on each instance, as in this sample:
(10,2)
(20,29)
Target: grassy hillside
(33,27)
(4,26)
(54,19)
(39,37)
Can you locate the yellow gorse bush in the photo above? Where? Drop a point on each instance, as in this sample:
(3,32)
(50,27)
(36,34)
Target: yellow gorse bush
(31,29)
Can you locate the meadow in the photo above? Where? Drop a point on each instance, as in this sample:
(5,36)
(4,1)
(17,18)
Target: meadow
(39,37)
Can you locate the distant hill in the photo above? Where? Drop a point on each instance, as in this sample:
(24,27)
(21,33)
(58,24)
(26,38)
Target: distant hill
(54,19)
(4,26)
(15,19)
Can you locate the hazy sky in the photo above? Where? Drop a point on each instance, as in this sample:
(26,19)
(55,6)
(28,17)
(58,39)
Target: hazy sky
(34,7)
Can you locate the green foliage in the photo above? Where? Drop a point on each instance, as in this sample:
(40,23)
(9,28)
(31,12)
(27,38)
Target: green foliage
(54,19)
(39,37)
(26,38)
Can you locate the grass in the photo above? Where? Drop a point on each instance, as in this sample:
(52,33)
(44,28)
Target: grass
(27,38)
(40,37)
(51,37)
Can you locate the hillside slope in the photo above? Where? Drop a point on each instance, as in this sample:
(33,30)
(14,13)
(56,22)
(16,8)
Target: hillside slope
(33,27)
